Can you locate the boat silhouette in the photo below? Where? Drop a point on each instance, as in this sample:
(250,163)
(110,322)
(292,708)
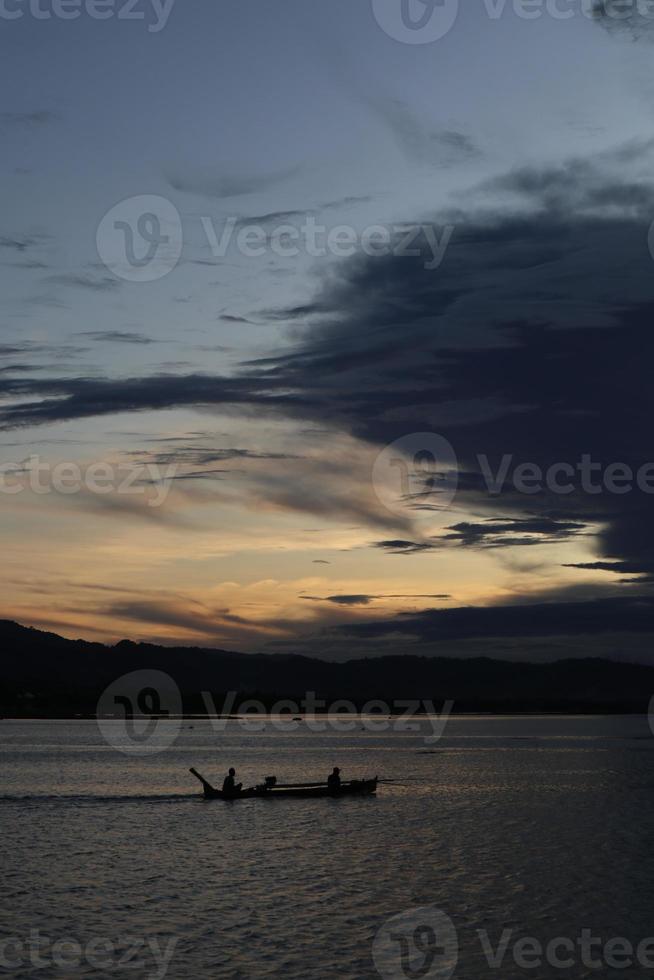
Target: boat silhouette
(271,789)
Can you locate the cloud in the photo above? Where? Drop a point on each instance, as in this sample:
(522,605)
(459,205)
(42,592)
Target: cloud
(83,281)
(11,350)
(21,368)
(63,399)
(512,532)
(420,143)
(213,184)
(51,352)
(34,264)
(16,244)
(21,243)
(616,567)
(330,481)
(272,218)
(292,313)
(519,344)
(34,118)
(584,186)
(123,507)
(397,546)
(197,454)
(116,336)
(365,600)
(343,202)
(631,614)
(332,486)
(233,318)
(189,617)
(631,20)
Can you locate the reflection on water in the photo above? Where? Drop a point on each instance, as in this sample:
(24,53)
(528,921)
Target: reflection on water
(538,826)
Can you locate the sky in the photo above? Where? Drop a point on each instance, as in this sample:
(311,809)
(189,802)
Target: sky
(325,328)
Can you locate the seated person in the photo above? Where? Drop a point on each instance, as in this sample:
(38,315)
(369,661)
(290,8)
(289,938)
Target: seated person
(334,780)
(230,787)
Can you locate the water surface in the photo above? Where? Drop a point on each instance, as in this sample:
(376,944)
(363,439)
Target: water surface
(539,826)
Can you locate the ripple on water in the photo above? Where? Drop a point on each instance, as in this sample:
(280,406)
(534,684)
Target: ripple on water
(499,836)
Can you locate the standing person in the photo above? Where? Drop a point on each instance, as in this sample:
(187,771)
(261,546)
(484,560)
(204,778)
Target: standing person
(334,780)
(230,787)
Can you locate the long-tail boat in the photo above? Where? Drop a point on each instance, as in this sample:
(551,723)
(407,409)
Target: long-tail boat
(271,789)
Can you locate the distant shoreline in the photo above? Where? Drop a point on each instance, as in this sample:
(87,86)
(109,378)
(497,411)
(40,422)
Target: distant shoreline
(579,712)
(43,675)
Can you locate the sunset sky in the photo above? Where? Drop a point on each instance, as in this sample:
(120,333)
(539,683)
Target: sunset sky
(266,389)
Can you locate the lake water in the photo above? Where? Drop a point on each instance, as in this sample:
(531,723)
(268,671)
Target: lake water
(534,829)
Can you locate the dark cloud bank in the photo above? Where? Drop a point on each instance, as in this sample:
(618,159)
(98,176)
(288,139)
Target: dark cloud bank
(533,340)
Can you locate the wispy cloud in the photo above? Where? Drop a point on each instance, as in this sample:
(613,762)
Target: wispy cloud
(226,185)
(419,141)
(21,243)
(116,336)
(34,118)
(366,600)
(234,318)
(345,202)
(83,281)
(512,532)
(627,20)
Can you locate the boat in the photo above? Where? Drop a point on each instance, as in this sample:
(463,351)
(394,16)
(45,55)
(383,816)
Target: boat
(271,789)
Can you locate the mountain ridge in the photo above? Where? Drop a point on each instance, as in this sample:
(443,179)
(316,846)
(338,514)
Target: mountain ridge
(43,673)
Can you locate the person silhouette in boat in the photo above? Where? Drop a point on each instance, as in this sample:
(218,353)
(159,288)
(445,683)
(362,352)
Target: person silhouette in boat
(230,787)
(334,780)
